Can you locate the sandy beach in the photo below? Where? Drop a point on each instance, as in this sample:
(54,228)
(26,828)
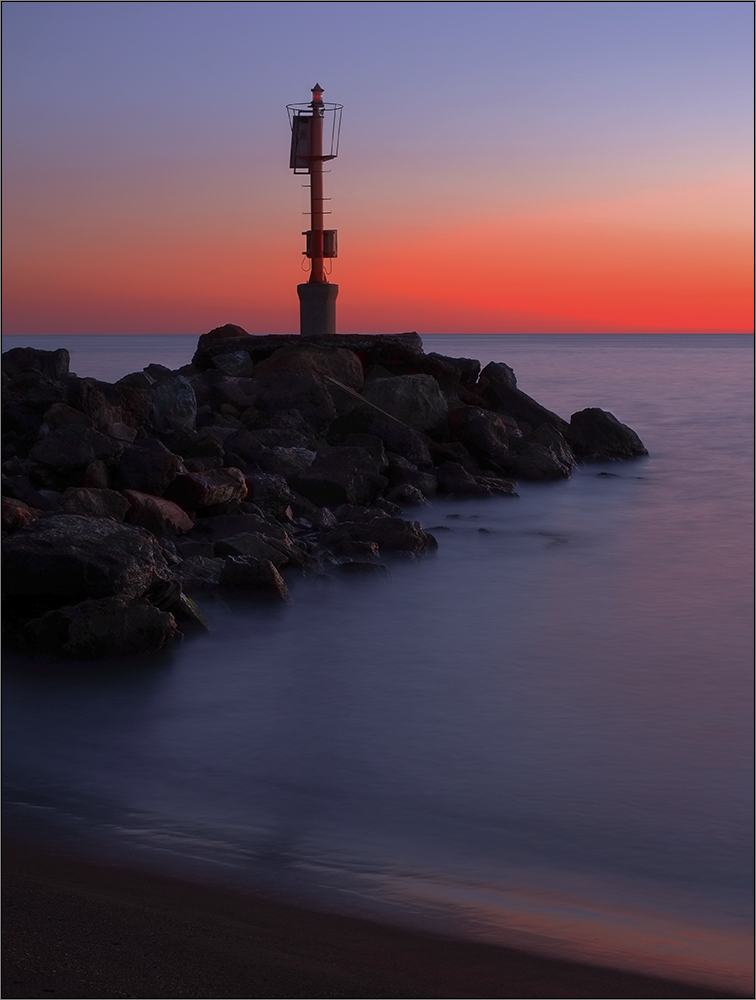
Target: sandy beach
(79,929)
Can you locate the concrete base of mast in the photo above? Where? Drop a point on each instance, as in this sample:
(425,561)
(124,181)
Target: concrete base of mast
(317,309)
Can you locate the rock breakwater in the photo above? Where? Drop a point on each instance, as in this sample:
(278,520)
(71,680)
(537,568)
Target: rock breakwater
(264,457)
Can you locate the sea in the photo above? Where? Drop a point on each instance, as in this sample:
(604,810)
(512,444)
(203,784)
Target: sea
(540,736)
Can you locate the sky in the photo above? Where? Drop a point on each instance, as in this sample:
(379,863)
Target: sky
(503,167)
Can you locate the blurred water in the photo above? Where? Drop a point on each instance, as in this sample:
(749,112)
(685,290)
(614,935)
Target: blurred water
(539,736)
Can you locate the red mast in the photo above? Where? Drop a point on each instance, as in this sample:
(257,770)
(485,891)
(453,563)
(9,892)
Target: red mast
(317,298)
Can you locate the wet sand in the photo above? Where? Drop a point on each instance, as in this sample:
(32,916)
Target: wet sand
(77,929)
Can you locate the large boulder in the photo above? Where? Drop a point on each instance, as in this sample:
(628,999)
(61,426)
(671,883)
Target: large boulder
(391,534)
(596,435)
(416,400)
(73,447)
(395,435)
(454,480)
(340,475)
(156,514)
(492,438)
(255,576)
(53,364)
(198,490)
(498,387)
(468,368)
(280,389)
(94,502)
(105,627)
(174,406)
(99,629)
(544,455)
(315,359)
(148,467)
(76,557)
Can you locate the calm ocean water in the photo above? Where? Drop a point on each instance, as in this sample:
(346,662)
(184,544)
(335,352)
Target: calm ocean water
(541,736)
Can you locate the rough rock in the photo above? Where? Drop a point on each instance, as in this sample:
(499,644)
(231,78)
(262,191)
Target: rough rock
(499,389)
(314,359)
(277,390)
(148,467)
(197,490)
(94,629)
(156,514)
(544,455)
(77,557)
(16,514)
(73,447)
(199,572)
(174,406)
(237,364)
(596,434)
(94,502)
(257,576)
(469,368)
(391,534)
(491,438)
(53,364)
(455,480)
(416,400)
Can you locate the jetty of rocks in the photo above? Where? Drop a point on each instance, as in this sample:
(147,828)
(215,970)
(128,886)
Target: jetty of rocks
(265,456)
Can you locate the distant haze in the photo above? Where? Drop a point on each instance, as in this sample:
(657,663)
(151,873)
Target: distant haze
(504,167)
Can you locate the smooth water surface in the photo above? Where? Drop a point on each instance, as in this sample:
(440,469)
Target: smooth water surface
(540,736)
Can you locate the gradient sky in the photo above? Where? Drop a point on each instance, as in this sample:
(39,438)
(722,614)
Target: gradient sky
(504,167)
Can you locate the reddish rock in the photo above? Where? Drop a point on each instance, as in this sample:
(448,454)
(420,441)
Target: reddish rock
(196,490)
(157,514)
(16,514)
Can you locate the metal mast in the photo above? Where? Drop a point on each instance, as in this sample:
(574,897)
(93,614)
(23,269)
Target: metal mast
(317,298)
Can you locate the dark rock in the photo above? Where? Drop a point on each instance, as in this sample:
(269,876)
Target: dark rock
(349,548)
(499,389)
(16,514)
(256,546)
(148,467)
(340,475)
(156,514)
(489,437)
(372,444)
(395,435)
(199,572)
(544,455)
(355,514)
(174,406)
(60,414)
(257,576)
(94,503)
(75,557)
(20,488)
(270,492)
(237,364)
(111,626)
(197,490)
(455,480)
(468,368)
(74,447)
(285,390)
(96,476)
(53,364)
(415,400)
(391,534)
(406,494)
(318,360)
(224,525)
(596,435)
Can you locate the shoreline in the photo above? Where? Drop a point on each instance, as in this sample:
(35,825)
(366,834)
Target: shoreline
(77,928)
